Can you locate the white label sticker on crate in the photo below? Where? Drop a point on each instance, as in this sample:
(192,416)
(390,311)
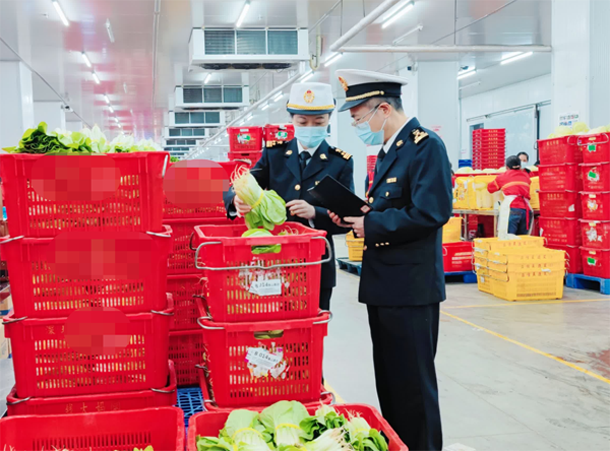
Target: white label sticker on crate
(266,287)
(262,358)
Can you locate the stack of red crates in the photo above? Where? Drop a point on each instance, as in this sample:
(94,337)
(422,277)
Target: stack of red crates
(595,200)
(275,135)
(91,317)
(245,143)
(186,284)
(560,207)
(488,148)
(263,332)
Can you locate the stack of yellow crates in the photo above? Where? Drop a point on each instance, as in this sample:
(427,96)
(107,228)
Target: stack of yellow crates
(534,196)
(355,247)
(452,231)
(520,269)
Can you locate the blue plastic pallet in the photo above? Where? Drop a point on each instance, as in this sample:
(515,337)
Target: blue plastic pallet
(466,276)
(349,266)
(583,282)
(190,401)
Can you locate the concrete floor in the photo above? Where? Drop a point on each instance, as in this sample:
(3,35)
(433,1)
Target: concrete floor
(512,376)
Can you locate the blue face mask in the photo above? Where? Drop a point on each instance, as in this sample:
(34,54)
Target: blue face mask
(368,136)
(311,137)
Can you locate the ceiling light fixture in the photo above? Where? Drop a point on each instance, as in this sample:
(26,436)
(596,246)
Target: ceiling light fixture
(86,59)
(111,109)
(265,106)
(116,119)
(278,96)
(307,76)
(399,39)
(107,99)
(61,14)
(466,73)
(397,15)
(516,57)
(249,118)
(207,79)
(330,60)
(243,13)
(96,78)
(109,30)
(125,88)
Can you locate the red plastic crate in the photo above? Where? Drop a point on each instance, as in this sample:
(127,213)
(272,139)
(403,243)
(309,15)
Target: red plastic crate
(595,234)
(458,257)
(46,365)
(186,349)
(326,397)
(559,204)
(277,134)
(595,148)
(565,232)
(560,177)
(185,289)
(596,177)
(182,259)
(245,139)
(595,262)
(171,211)
(80,194)
(209,424)
(559,150)
(573,258)
(251,292)
(250,158)
(104,402)
(296,345)
(162,428)
(52,277)
(595,206)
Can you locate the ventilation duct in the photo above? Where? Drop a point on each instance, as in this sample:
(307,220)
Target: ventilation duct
(212,97)
(195,119)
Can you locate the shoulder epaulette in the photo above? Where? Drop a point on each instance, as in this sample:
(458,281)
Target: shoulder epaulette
(418,135)
(341,153)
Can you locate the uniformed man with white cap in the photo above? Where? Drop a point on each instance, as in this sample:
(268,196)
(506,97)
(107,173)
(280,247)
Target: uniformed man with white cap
(292,168)
(402,280)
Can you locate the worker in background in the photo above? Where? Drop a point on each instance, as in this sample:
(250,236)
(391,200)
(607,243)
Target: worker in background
(524,157)
(515,212)
(292,168)
(402,281)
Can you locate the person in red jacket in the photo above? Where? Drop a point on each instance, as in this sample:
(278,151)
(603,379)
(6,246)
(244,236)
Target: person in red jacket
(515,185)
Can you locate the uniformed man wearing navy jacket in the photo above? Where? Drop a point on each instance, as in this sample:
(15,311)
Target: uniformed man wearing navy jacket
(402,280)
(293,168)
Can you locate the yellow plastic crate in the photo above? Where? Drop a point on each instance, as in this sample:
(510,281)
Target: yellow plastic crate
(545,284)
(478,196)
(355,247)
(452,231)
(496,244)
(483,279)
(526,259)
(460,193)
(534,197)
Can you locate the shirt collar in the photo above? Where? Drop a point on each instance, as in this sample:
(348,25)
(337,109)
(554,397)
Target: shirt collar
(311,151)
(388,145)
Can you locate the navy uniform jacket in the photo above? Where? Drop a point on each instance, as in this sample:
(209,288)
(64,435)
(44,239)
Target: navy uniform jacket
(411,199)
(279,170)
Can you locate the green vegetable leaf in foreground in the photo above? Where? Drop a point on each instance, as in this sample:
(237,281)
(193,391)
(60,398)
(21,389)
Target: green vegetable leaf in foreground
(283,419)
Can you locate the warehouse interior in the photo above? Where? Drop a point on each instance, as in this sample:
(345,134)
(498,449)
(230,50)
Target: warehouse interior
(513,375)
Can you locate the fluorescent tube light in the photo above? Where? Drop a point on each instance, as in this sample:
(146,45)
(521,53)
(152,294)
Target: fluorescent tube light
(107,99)
(516,57)
(466,74)
(96,78)
(61,14)
(307,76)
(109,30)
(278,96)
(243,13)
(408,7)
(264,107)
(331,59)
(86,59)
(111,109)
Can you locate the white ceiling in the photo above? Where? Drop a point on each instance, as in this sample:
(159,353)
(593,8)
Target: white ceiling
(35,35)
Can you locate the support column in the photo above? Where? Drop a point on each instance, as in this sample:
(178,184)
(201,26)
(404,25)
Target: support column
(16,101)
(439,103)
(50,112)
(581,61)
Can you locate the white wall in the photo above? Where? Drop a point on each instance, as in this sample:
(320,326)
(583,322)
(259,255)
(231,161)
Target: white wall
(16,102)
(529,92)
(51,113)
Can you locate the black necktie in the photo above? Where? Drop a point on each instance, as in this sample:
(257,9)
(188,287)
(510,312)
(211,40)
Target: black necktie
(380,157)
(303,157)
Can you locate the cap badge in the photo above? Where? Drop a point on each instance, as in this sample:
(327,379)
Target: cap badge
(343,83)
(309,96)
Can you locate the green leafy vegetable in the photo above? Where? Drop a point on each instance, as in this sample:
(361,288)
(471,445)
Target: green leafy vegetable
(283,420)
(243,426)
(325,418)
(363,437)
(270,249)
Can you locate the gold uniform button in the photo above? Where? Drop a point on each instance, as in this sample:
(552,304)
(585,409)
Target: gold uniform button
(376,244)
(387,244)
(387,193)
(370,200)
(297,187)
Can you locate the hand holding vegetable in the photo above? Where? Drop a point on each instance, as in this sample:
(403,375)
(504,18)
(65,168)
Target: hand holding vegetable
(301,209)
(242,208)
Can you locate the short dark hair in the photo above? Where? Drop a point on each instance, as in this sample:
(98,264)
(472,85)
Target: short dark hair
(394,102)
(524,153)
(513,162)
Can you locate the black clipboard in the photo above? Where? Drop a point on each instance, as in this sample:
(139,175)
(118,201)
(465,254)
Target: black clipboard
(338,198)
